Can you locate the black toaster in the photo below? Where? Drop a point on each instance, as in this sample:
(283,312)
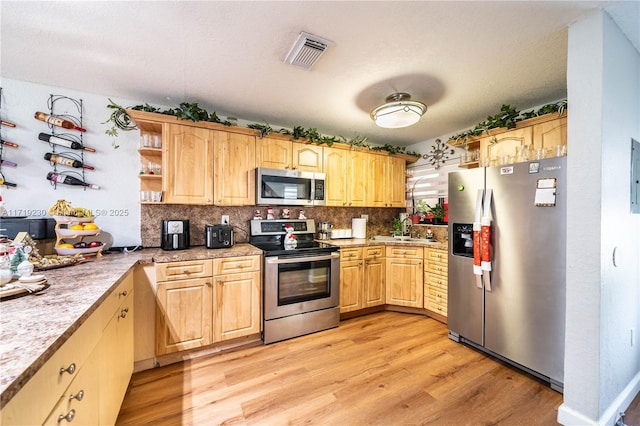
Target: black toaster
(218,236)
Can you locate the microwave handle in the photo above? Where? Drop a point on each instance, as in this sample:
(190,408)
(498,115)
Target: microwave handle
(277,260)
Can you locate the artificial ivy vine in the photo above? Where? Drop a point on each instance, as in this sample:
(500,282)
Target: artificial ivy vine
(191,111)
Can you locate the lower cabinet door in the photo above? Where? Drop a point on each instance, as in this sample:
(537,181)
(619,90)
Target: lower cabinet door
(374,279)
(404,282)
(237,305)
(184,313)
(350,285)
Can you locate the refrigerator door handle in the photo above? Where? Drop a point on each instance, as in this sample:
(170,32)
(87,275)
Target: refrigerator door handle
(486,239)
(477,243)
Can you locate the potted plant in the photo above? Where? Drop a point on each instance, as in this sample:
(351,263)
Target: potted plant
(439,212)
(397,227)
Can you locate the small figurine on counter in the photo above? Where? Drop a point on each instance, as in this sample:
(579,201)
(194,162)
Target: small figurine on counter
(286,213)
(429,233)
(270,214)
(290,240)
(301,215)
(257,215)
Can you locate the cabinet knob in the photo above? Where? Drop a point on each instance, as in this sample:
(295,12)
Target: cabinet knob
(77,396)
(70,369)
(123,313)
(123,293)
(186,271)
(69,417)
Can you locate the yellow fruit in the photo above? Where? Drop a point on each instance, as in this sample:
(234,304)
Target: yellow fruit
(65,246)
(90,226)
(76,227)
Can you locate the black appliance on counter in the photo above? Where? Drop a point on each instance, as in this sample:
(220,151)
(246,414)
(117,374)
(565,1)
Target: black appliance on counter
(301,285)
(175,234)
(39,228)
(218,236)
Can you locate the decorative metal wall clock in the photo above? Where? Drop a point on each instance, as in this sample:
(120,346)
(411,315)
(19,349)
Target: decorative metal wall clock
(438,153)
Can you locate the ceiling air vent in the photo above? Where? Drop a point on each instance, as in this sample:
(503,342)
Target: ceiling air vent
(306,51)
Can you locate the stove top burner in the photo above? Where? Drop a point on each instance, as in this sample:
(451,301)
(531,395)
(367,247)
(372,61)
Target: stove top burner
(268,235)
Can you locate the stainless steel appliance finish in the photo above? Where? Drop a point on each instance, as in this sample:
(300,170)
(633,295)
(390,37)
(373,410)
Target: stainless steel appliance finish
(218,236)
(521,318)
(175,234)
(301,284)
(289,187)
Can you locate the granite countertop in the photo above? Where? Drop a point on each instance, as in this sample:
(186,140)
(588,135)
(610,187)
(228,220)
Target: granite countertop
(363,242)
(33,327)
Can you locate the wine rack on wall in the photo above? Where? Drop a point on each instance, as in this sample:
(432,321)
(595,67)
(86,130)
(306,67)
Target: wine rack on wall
(66,153)
(4,162)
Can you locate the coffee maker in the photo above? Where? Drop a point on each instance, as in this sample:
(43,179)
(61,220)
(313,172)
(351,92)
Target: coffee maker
(175,234)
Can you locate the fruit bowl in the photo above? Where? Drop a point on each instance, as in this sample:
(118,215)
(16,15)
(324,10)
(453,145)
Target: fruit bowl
(72,251)
(66,219)
(65,232)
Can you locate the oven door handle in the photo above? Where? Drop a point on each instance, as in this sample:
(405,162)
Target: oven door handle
(276,259)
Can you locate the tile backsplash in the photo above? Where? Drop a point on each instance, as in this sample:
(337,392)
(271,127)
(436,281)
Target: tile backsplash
(379,222)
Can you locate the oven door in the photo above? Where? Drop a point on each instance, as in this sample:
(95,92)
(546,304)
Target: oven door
(298,284)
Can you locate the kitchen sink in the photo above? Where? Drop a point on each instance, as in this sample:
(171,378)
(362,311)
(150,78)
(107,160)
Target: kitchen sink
(403,239)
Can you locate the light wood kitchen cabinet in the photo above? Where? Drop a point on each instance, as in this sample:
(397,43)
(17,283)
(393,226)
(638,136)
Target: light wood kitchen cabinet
(184,305)
(435,281)
(234,169)
(237,297)
(187,165)
(362,278)
(351,279)
(494,147)
(386,184)
(374,276)
(88,374)
(404,276)
(550,134)
(346,177)
(200,302)
(289,155)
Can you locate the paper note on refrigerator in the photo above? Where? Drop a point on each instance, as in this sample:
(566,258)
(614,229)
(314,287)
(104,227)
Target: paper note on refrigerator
(545,197)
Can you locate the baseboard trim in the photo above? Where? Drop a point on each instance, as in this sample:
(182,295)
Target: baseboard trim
(568,416)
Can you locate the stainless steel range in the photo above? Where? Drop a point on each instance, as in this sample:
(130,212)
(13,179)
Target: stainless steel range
(301,279)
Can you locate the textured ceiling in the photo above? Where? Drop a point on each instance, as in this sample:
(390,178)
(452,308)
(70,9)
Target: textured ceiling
(463,59)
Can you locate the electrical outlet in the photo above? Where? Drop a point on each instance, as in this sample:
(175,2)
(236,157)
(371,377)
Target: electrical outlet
(225,219)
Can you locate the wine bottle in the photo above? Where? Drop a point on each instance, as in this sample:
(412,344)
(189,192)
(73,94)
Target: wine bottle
(8,163)
(63,142)
(66,161)
(7,143)
(7,123)
(69,180)
(57,121)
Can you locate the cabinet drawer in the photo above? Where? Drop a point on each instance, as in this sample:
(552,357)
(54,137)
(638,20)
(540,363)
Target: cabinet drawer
(436,268)
(396,251)
(373,252)
(171,271)
(350,253)
(436,255)
(117,296)
(231,265)
(435,306)
(437,281)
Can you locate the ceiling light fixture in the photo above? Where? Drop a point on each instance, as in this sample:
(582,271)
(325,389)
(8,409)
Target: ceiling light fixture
(398,111)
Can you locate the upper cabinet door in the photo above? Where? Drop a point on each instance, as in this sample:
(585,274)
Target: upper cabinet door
(234,164)
(273,153)
(396,182)
(377,193)
(550,134)
(335,167)
(358,175)
(188,165)
(306,157)
(505,144)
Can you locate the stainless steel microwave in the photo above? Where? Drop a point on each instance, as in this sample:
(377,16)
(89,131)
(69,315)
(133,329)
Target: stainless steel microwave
(289,188)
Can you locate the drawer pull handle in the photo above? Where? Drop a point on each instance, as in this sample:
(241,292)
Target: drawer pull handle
(185,271)
(123,293)
(123,313)
(69,417)
(77,396)
(70,369)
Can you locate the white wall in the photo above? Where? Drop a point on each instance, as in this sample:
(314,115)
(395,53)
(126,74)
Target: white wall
(602,368)
(115,203)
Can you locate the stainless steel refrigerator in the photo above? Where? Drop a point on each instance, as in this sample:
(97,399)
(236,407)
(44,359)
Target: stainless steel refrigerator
(515,311)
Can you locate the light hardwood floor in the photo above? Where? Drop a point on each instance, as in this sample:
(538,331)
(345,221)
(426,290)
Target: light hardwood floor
(386,368)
